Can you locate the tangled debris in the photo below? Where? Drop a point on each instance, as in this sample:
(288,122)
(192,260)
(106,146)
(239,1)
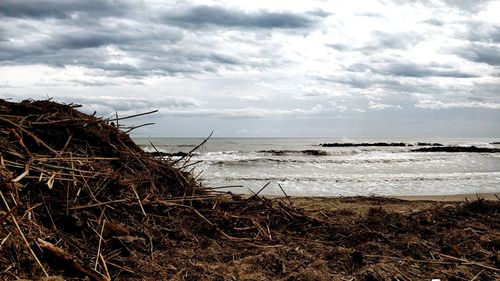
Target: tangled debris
(66,177)
(80,200)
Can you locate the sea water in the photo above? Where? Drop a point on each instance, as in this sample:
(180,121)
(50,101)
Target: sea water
(248,164)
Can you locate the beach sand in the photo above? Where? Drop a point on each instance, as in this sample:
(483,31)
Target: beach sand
(399,204)
(450,198)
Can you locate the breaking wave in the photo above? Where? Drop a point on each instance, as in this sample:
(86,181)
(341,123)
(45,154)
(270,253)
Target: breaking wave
(343,178)
(256,161)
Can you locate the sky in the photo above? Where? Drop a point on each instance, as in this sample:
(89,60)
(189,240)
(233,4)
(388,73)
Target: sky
(318,68)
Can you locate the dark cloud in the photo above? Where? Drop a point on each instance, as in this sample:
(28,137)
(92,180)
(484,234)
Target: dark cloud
(354,80)
(386,40)
(3,34)
(411,70)
(97,36)
(340,47)
(200,16)
(482,41)
(467,6)
(149,47)
(62,9)
(415,70)
(434,22)
(488,54)
(97,59)
(156,50)
(319,13)
(78,40)
(381,41)
(483,32)
(472,6)
(90,39)
(215,58)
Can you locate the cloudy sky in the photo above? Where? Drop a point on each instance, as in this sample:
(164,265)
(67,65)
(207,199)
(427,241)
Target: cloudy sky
(263,68)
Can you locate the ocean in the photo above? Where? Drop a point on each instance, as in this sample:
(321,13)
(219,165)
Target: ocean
(302,167)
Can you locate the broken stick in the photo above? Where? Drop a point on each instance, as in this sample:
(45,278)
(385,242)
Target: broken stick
(68,258)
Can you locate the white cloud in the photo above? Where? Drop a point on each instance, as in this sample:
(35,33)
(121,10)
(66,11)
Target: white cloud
(248,60)
(382,106)
(434,104)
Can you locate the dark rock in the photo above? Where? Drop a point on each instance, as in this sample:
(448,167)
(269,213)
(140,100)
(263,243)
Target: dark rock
(428,144)
(457,149)
(167,154)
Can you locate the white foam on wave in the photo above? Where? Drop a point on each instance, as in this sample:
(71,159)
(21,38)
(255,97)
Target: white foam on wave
(406,184)
(345,171)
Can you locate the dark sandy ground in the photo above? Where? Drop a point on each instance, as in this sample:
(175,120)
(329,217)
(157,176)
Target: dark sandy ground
(366,238)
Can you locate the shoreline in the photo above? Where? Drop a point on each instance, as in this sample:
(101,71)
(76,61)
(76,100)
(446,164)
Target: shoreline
(450,198)
(436,198)
(361,205)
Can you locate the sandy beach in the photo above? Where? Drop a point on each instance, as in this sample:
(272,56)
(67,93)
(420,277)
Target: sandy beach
(389,203)
(438,198)
(448,198)
(362,204)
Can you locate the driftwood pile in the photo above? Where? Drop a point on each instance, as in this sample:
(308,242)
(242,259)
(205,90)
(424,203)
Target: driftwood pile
(79,199)
(68,181)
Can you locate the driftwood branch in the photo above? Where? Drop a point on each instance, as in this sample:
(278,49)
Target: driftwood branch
(138,126)
(64,256)
(136,115)
(190,153)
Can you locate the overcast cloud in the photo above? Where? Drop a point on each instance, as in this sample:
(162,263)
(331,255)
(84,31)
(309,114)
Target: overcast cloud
(263,68)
